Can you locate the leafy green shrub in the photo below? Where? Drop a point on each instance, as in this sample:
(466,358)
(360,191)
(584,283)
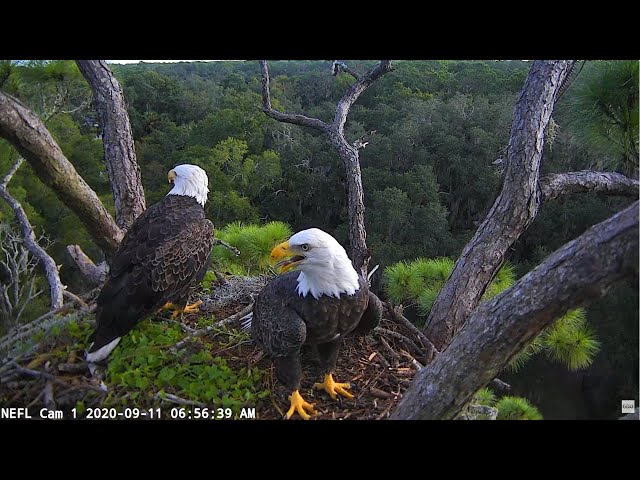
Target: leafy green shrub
(143,368)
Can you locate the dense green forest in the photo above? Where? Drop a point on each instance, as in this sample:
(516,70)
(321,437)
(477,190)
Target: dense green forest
(431,171)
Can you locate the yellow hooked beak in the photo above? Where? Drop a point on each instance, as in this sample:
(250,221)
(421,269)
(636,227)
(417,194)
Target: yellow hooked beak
(171,176)
(280,257)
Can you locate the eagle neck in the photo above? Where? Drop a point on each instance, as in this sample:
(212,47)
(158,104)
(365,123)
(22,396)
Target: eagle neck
(332,281)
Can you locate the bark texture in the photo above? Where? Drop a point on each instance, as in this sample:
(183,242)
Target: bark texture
(348,153)
(610,183)
(24,130)
(579,272)
(513,211)
(119,151)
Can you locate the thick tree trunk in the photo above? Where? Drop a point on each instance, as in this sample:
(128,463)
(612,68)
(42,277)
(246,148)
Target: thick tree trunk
(20,126)
(579,272)
(513,211)
(119,151)
(29,238)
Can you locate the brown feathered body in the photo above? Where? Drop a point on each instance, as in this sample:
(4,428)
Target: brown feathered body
(162,258)
(283,321)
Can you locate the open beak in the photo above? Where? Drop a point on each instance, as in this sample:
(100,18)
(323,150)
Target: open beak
(283,258)
(171,176)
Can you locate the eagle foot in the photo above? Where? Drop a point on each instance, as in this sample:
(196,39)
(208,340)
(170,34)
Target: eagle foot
(177,311)
(298,404)
(333,388)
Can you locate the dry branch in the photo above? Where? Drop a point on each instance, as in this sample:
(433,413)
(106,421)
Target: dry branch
(94,274)
(204,331)
(347,152)
(222,243)
(29,238)
(402,320)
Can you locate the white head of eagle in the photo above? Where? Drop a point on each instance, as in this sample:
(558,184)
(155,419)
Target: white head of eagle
(191,181)
(325,268)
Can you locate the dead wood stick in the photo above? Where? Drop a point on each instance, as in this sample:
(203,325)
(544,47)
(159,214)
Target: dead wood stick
(410,343)
(222,243)
(402,320)
(388,348)
(53,378)
(175,399)
(204,331)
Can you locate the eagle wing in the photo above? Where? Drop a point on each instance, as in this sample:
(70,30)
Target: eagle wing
(371,316)
(276,327)
(159,260)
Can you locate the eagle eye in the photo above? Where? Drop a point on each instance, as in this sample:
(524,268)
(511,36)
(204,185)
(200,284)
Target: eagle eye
(305,247)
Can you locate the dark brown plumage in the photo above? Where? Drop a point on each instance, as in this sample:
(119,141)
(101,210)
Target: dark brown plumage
(161,259)
(283,321)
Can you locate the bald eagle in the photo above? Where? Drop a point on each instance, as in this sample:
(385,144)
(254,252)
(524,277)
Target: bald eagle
(318,305)
(161,259)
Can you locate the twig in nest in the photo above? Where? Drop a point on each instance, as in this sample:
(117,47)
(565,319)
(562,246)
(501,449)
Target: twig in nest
(410,343)
(175,399)
(383,361)
(185,328)
(220,278)
(52,378)
(402,320)
(48,398)
(73,367)
(74,297)
(413,361)
(217,241)
(388,348)
(376,392)
(203,331)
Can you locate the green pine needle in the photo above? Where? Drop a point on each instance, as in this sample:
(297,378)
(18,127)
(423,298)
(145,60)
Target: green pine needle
(484,396)
(572,342)
(516,408)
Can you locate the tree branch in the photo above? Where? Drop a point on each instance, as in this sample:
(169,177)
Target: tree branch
(94,274)
(46,262)
(512,212)
(24,130)
(579,272)
(222,243)
(349,98)
(119,151)
(12,171)
(559,184)
(284,117)
(337,67)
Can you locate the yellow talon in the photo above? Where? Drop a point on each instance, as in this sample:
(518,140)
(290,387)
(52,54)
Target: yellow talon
(333,388)
(193,308)
(298,404)
(177,311)
(167,306)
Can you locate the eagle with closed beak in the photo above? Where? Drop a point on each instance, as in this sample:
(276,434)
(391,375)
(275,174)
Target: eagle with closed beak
(317,305)
(159,263)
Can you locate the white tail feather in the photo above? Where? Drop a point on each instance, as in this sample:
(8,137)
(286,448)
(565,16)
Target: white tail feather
(102,352)
(245,322)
